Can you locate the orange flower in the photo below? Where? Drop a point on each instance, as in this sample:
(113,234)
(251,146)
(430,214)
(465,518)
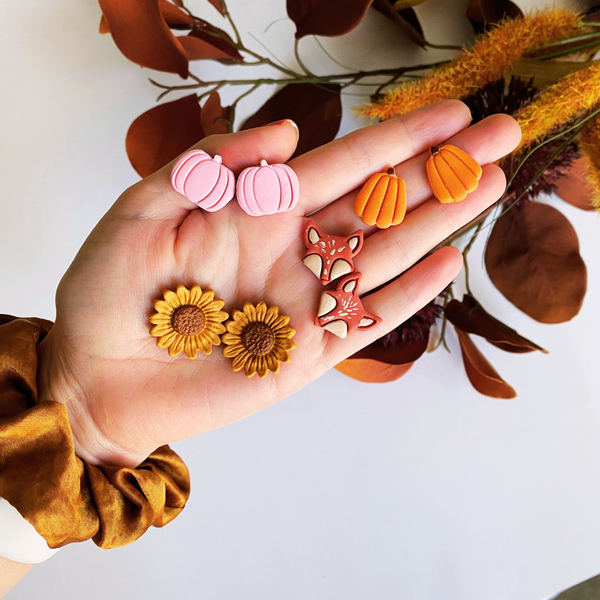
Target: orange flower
(486,61)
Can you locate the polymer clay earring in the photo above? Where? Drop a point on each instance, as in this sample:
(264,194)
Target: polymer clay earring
(203,180)
(341,311)
(452,173)
(267,189)
(188,321)
(330,256)
(258,339)
(382,200)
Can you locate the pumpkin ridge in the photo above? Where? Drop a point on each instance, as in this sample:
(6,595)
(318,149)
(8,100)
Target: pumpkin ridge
(373,199)
(365,193)
(276,171)
(221,182)
(442,179)
(386,202)
(289,178)
(453,172)
(251,201)
(452,150)
(458,175)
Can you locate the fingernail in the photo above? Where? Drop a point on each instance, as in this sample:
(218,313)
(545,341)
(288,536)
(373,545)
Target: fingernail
(285,121)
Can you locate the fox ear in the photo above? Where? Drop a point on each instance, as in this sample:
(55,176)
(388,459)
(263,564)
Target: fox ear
(350,283)
(366,322)
(355,241)
(311,233)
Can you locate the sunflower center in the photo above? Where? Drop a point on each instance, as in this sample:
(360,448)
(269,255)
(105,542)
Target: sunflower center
(258,338)
(188,320)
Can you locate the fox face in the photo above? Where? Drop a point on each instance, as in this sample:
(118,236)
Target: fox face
(330,256)
(341,311)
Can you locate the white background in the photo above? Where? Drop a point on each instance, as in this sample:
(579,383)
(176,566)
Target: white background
(420,489)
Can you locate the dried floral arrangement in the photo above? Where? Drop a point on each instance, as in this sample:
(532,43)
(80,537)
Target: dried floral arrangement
(540,68)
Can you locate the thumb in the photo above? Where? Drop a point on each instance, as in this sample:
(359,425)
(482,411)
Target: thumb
(155,198)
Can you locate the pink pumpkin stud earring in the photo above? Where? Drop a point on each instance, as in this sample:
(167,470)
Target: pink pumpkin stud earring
(203,180)
(267,189)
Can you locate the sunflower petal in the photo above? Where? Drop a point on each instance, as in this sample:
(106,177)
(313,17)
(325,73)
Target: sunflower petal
(273,363)
(163,307)
(239,361)
(250,367)
(160,319)
(261,311)
(207,298)
(232,351)
(286,344)
(190,347)
(183,294)
(195,294)
(280,354)
(212,338)
(230,339)
(261,367)
(234,327)
(250,311)
(272,314)
(240,317)
(171,298)
(281,322)
(160,330)
(204,345)
(177,346)
(214,306)
(166,340)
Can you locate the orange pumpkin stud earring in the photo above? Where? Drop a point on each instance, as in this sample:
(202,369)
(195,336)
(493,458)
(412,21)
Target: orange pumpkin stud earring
(382,200)
(452,173)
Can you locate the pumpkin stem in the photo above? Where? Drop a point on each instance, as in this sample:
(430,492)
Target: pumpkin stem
(218,158)
(263,163)
(391,171)
(434,150)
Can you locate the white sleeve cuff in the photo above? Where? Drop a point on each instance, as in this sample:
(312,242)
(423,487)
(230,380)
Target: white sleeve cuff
(19,541)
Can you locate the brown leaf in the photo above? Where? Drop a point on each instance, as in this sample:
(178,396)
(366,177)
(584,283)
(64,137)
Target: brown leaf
(533,258)
(371,371)
(469,316)
(481,374)
(402,4)
(575,188)
(326,17)
(214,117)
(484,13)
(218,4)
(316,110)
(174,17)
(406,19)
(142,35)
(161,134)
(199,44)
(398,354)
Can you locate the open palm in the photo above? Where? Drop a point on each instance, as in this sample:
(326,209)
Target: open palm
(126,396)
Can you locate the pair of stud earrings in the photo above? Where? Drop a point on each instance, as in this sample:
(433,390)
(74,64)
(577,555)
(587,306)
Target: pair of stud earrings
(260,190)
(452,174)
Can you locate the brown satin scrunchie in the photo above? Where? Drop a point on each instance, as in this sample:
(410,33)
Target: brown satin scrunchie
(66,499)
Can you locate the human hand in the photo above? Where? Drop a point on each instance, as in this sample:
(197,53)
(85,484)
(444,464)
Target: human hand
(125,396)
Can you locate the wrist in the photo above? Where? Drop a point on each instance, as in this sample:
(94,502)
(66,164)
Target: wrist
(55,385)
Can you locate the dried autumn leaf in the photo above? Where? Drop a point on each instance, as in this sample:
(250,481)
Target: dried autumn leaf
(483,377)
(372,371)
(316,110)
(142,35)
(161,134)
(533,258)
(214,117)
(406,19)
(470,317)
(199,44)
(218,4)
(326,17)
(484,13)
(575,188)
(399,353)
(174,17)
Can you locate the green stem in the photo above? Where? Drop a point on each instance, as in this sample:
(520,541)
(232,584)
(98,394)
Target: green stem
(570,50)
(299,60)
(442,46)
